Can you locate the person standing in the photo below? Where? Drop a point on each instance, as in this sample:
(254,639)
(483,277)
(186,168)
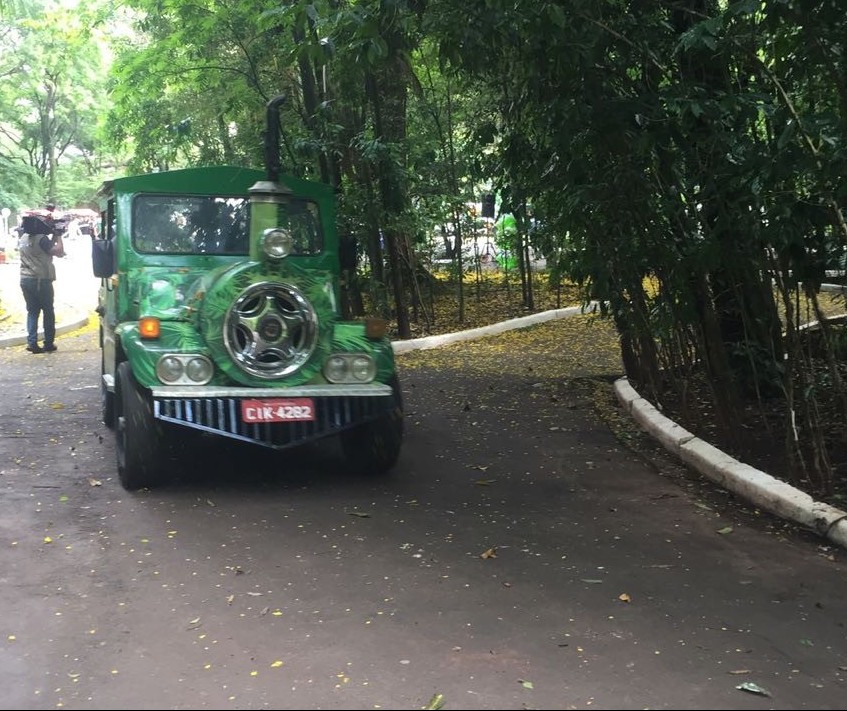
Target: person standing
(38,245)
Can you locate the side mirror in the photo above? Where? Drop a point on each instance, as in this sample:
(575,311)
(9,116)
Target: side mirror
(347,248)
(103,257)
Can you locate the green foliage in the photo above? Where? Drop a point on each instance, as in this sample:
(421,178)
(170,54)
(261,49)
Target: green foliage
(51,95)
(18,184)
(698,147)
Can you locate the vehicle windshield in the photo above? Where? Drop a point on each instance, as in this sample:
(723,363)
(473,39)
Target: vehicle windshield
(192,224)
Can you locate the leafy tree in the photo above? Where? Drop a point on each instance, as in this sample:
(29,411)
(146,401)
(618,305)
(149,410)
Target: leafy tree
(686,153)
(50,98)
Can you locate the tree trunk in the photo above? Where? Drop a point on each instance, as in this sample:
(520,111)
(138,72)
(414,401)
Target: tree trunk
(388,100)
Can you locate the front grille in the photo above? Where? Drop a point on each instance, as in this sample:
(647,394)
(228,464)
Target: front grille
(222,416)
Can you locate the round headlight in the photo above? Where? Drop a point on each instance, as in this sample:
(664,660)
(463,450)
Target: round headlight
(335,369)
(362,368)
(199,370)
(169,369)
(276,243)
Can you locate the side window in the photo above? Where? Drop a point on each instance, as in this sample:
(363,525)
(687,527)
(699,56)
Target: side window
(302,219)
(107,221)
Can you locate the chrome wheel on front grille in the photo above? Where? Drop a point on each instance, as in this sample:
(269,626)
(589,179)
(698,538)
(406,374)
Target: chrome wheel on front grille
(271,330)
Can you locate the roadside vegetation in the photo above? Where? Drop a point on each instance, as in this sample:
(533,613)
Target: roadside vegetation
(681,162)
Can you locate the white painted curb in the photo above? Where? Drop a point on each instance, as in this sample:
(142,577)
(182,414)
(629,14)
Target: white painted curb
(764,490)
(18,340)
(521,322)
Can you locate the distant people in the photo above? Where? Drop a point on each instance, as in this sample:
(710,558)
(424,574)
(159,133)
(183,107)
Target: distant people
(86,229)
(40,241)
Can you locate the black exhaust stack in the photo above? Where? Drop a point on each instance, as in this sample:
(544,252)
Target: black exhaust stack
(272,163)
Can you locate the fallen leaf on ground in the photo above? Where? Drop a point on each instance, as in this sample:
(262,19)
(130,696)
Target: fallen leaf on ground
(753,688)
(435,703)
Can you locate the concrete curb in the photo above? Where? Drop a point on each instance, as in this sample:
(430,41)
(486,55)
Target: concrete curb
(78,321)
(474,333)
(767,492)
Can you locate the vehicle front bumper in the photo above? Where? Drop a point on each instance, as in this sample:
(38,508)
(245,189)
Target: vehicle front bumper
(217,410)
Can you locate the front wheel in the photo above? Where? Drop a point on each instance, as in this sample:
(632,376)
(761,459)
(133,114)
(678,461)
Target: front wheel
(139,440)
(374,447)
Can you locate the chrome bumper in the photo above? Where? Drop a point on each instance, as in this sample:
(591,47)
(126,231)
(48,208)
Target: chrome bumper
(218,411)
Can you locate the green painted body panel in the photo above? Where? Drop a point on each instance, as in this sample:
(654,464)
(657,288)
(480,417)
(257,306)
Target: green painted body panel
(175,337)
(183,337)
(349,337)
(137,271)
(192,294)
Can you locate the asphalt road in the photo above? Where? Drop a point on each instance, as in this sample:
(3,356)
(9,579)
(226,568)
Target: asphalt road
(519,557)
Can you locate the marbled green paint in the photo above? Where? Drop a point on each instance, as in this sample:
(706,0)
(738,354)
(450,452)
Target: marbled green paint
(349,337)
(192,294)
(143,354)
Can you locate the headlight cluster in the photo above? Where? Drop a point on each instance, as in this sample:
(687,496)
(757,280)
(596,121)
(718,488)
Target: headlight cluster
(349,368)
(277,243)
(184,369)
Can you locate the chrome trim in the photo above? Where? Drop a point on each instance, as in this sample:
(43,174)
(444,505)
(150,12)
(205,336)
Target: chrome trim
(348,358)
(219,391)
(222,416)
(271,330)
(185,359)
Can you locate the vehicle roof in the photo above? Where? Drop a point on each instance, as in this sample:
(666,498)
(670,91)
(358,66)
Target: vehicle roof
(211,180)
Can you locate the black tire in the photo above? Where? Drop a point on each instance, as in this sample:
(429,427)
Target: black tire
(374,447)
(107,399)
(139,438)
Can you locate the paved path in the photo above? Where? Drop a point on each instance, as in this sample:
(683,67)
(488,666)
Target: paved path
(520,556)
(76,299)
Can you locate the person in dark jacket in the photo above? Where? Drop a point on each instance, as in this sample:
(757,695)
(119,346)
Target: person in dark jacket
(40,242)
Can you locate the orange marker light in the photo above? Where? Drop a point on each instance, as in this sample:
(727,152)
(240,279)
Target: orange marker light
(149,327)
(376,327)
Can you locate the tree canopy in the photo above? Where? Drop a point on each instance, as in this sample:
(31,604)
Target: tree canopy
(683,161)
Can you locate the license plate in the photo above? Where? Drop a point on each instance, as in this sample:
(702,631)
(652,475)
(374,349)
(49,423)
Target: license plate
(297,409)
